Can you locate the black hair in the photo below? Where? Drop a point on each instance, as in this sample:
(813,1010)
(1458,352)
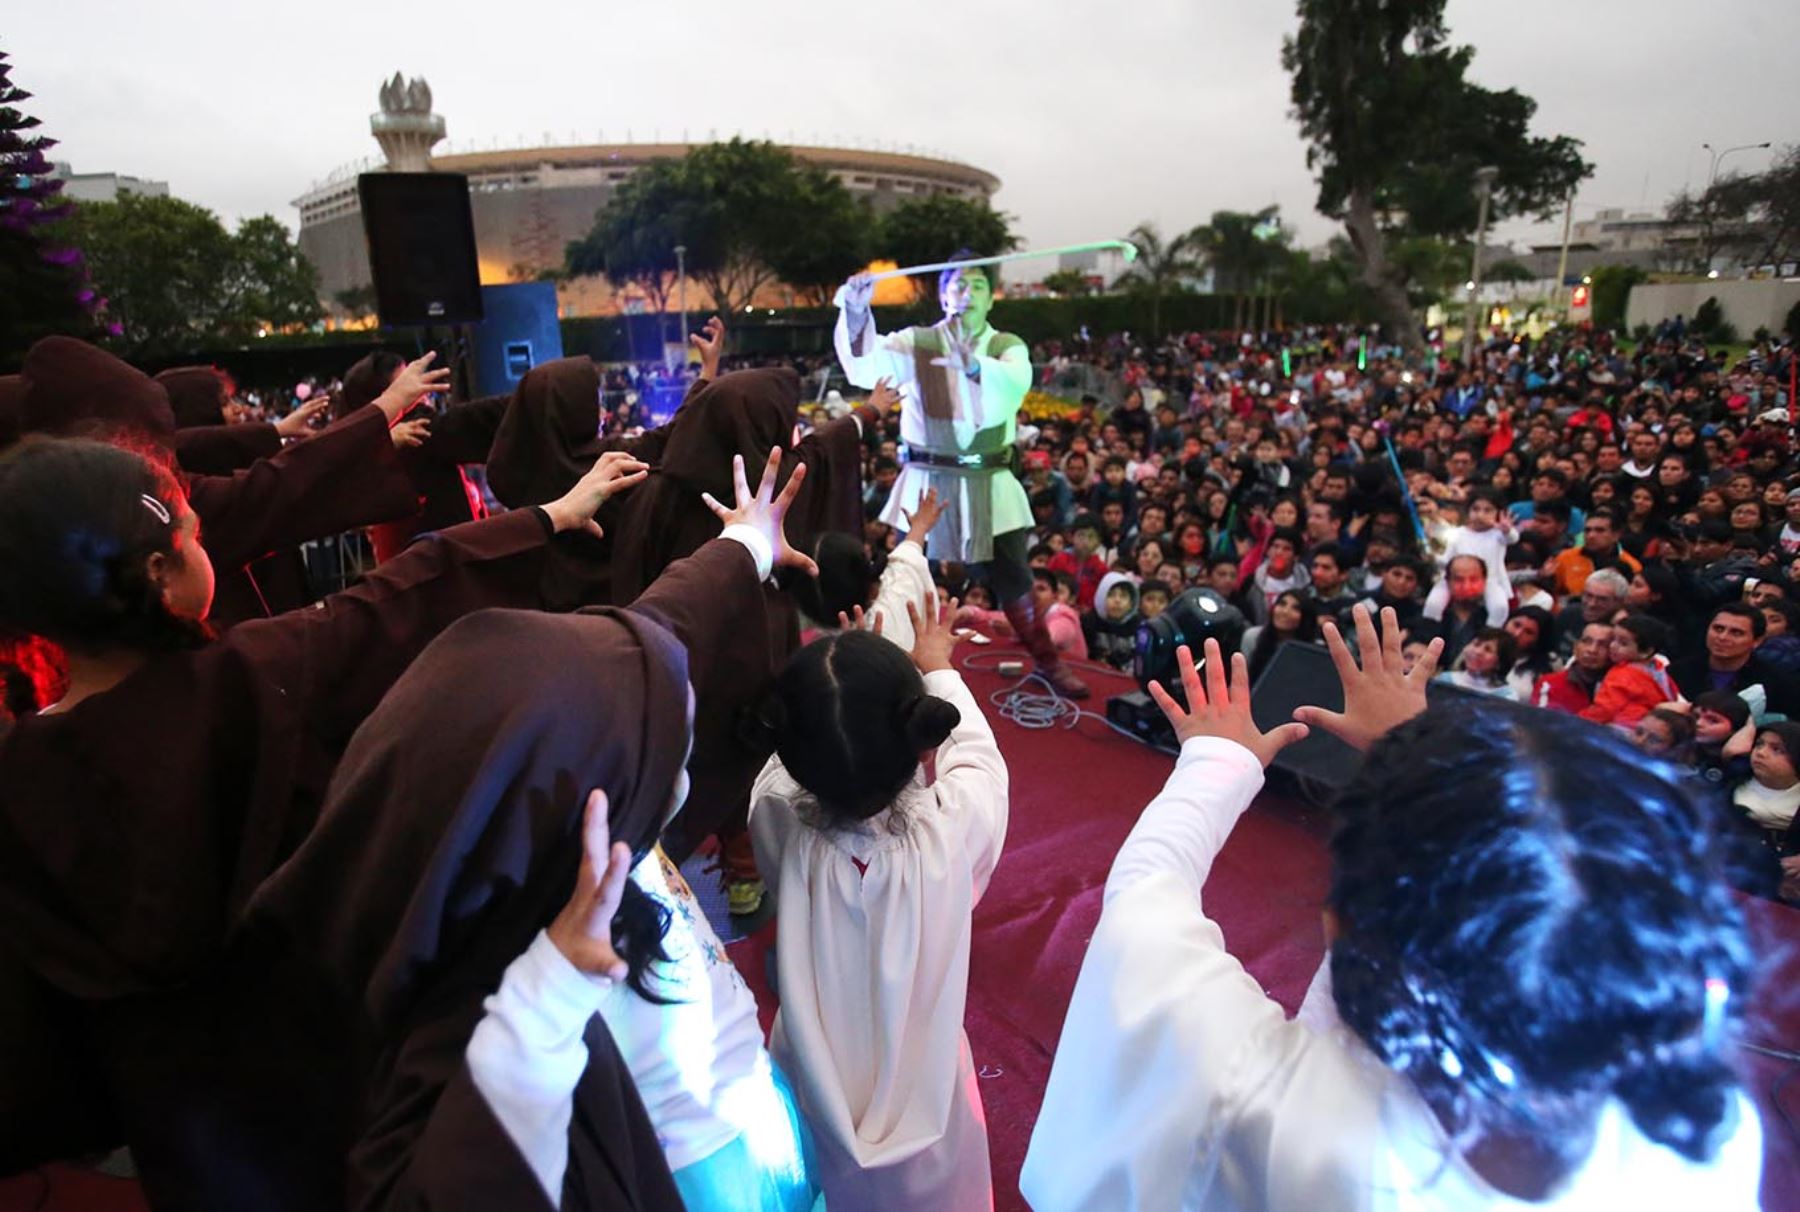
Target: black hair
(1484,849)
(968,254)
(640,927)
(1649,633)
(844,580)
(1268,640)
(1332,551)
(1731,706)
(1506,650)
(18,693)
(1759,622)
(1540,657)
(1557,507)
(83,518)
(849,717)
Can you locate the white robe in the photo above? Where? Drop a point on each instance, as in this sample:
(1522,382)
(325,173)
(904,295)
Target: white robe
(907,578)
(872,958)
(1178,1083)
(993,400)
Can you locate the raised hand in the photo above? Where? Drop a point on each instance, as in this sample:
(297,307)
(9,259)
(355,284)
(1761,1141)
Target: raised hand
(765,515)
(298,424)
(858,295)
(885,398)
(415,380)
(410,433)
(710,342)
(613,472)
(924,517)
(933,640)
(583,930)
(1380,695)
(1220,709)
(853,620)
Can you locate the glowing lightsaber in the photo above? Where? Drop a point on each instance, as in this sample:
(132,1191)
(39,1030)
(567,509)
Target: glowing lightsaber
(1125,247)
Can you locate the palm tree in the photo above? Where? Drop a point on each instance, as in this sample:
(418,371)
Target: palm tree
(1239,248)
(1161,268)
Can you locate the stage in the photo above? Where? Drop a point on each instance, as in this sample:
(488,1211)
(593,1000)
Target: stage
(1075,794)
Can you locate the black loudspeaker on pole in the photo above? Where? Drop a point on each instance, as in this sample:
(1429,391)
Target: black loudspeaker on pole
(422,258)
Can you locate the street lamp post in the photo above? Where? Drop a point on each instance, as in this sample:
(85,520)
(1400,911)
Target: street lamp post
(1484,190)
(681,292)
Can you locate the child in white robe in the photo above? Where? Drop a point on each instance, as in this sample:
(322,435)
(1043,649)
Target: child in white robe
(876,876)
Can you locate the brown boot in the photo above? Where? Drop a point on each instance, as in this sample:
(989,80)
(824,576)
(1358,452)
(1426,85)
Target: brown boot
(1028,625)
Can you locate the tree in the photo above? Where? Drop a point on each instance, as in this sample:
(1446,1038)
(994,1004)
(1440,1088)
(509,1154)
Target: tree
(1243,249)
(746,212)
(1610,292)
(1070,282)
(43,285)
(828,236)
(1161,268)
(922,230)
(270,285)
(356,300)
(635,234)
(1395,134)
(175,279)
(1753,217)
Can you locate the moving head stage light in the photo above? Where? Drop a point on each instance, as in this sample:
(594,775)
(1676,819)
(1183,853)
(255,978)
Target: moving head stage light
(1191,619)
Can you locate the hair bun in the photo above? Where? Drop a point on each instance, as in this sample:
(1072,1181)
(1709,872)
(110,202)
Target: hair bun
(1684,1102)
(761,725)
(927,721)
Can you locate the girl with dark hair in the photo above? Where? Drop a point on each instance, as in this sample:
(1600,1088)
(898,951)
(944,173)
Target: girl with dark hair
(1293,616)
(875,877)
(1644,530)
(1533,631)
(1484,664)
(178,771)
(1537,971)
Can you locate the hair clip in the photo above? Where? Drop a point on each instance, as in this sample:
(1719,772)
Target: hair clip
(1718,996)
(156,507)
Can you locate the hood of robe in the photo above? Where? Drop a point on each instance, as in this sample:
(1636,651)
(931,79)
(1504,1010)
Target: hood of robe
(548,438)
(12,401)
(196,394)
(451,832)
(74,388)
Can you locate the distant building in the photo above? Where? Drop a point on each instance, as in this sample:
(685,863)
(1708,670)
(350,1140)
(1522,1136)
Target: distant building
(104,187)
(529,203)
(1102,267)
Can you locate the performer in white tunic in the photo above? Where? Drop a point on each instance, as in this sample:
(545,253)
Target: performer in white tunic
(873,932)
(961,384)
(1178,1083)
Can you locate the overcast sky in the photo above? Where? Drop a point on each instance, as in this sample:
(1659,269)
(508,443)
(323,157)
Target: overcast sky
(1095,118)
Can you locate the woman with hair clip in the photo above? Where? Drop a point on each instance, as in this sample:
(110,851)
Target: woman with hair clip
(1537,967)
(143,808)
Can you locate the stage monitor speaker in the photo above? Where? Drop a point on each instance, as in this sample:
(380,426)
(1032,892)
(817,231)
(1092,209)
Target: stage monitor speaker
(421,238)
(521,331)
(1303,675)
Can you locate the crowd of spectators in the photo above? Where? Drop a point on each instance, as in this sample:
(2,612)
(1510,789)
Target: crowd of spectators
(1606,529)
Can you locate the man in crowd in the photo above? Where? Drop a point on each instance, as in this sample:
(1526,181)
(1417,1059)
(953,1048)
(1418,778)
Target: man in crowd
(1569,570)
(1730,661)
(1571,689)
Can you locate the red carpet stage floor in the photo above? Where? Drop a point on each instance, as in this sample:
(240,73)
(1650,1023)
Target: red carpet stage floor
(1075,794)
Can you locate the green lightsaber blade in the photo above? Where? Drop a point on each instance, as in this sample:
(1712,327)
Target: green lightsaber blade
(1125,247)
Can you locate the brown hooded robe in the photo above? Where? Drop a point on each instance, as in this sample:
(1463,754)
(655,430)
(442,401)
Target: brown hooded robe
(136,825)
(347,476)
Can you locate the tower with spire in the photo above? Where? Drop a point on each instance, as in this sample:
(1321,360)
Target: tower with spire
(405,127)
